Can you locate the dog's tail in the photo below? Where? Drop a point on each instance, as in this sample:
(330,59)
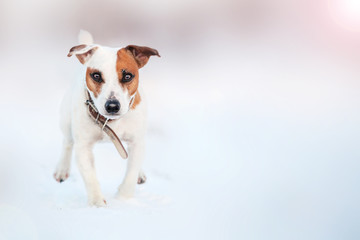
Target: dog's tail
(85,37)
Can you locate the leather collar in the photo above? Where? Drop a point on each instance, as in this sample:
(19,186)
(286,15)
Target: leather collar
(102,121)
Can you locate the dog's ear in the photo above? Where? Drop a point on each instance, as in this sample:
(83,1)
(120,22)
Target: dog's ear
(142,54)
(83,52)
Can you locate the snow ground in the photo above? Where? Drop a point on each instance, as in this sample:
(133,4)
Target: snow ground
(259,145)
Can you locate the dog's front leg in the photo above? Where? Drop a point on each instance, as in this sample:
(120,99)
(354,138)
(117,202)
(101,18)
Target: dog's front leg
(136,154)
(85,161)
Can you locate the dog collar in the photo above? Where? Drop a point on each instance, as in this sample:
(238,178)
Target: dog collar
(102,121)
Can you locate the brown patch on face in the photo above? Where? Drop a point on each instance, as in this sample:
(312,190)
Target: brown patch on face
(136,100)
(125,61)
(92,85)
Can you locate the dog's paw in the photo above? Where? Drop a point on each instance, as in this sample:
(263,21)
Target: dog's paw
(125,192)
(142,178)
(97,202)
(61,175)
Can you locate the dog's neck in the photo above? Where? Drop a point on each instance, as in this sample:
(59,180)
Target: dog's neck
(102,122)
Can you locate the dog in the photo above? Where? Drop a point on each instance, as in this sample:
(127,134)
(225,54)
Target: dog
(110,84)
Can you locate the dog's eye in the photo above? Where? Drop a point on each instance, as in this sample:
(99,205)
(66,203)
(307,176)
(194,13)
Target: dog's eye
(127,77)
(96,76)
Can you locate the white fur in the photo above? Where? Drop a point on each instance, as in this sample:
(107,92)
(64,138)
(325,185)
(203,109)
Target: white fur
(81,133)
(85,37)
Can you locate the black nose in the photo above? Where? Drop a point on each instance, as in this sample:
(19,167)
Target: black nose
(112,106)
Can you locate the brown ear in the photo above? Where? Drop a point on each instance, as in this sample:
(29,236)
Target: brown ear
(83,52)
(142,54)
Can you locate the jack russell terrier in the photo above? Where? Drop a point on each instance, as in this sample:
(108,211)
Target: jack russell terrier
(105,104)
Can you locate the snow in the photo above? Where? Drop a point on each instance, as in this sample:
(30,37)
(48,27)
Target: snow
(255,158)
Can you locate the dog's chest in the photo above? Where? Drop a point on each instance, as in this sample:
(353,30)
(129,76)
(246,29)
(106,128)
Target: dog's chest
(129,127)
(120,130)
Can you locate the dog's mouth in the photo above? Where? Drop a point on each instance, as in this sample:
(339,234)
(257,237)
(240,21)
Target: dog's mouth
(113,116)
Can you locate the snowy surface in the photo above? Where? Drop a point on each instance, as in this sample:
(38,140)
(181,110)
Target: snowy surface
(248,139)
(236,152)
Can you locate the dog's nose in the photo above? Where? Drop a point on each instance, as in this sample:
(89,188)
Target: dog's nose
(112,106)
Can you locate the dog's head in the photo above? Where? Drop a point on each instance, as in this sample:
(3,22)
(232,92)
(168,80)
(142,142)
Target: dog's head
(112,75)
